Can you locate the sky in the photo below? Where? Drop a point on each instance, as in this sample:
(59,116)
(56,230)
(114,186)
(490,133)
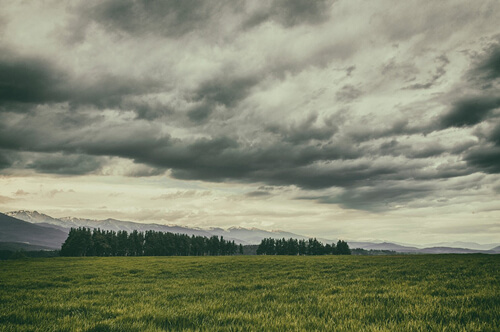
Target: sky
(360,120)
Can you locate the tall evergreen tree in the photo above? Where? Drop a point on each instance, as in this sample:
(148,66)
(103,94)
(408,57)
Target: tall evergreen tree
(83,242)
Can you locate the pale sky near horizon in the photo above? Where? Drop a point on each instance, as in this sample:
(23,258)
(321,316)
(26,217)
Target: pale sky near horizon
(361,120)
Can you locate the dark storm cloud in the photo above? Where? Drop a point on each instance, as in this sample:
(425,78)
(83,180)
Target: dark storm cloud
(219,91)
(377,198)
(51,162)
(393,194)
(485,159)
(26,81)
(472,110)
(148,110)
(201,113)
(481,108)
(394,148)
(469,111)
(30,80)
(66,164)
(53,131)
(108,91)
(495,135)
(225,90)
(168,18)
(489,68)
(321,175)
(223,158)
(298,157)
(175,19)
(5,162)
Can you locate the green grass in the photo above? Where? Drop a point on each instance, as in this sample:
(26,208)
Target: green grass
(252,293)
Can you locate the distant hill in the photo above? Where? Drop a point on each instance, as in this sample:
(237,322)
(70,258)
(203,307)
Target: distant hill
(33,217)
(448,250)
(238,234)
(15,230)
(414,250)
(383,246)
(461,244)
(496,249)
(107,224)
(255,235)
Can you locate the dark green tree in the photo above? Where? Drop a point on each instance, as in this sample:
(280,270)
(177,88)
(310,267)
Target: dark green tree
(343,248)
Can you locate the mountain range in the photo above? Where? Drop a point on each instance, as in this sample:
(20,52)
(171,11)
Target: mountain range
(34,228)
(14,230)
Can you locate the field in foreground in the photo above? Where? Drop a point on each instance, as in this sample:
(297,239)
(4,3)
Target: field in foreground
(256,293)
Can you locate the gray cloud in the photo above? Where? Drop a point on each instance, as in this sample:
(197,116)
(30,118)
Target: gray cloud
(393,147)
(397,127)
(225,90)
(486,159)
(30,80)
(149,110)
(477,109)
(108,90)
(175,19)
(258,193)
(442,61)
(5,161)
(348,93)
(489,68)
(299,155)
(377,198)
(27,81)
(472,110)
(469,111)
(66,164)
(220,91)
(144,171)
(315,116)
(306,130)
(290,13)
(495,135)
(167,18)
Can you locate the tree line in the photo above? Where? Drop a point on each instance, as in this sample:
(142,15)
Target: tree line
(291,246)
(85,242)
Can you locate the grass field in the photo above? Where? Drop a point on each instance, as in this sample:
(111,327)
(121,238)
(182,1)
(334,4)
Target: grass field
(252,293)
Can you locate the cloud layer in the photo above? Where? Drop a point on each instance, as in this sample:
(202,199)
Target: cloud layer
(369,107)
